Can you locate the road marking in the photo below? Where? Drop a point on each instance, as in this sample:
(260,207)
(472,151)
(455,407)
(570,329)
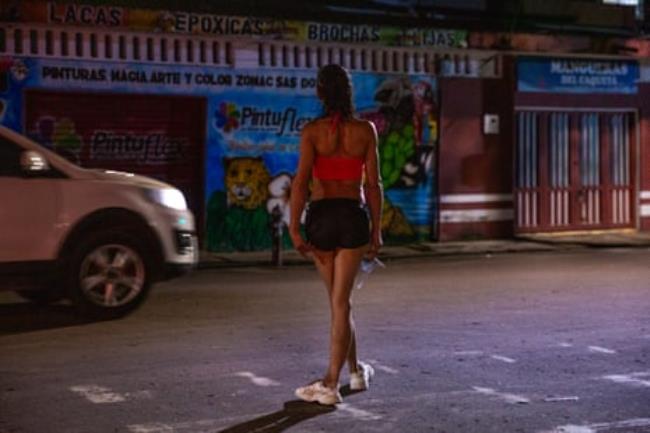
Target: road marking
(360,414)
(631,379)
(469,353)
(503,358)
(98,394)
(382,367)
(599,349)
(510,398)
(563,344)
(559,399)
(257,380)
(603,426)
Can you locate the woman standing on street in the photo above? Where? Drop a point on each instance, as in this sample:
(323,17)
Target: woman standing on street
(338,153)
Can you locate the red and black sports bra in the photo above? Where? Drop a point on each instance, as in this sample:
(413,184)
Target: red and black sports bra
(337,167)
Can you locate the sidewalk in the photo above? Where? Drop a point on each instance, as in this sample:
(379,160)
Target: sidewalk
(528,243)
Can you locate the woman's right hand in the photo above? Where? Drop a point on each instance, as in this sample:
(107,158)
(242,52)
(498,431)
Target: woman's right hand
(299,243)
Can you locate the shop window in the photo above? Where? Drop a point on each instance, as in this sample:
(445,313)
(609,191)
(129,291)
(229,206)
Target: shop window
(308,57)
(374,62)
(384,61)
(202,52)
(330,56)
(353,59)
(416,62)
(93,45)
(260,54)
(151,56)
(427,63)
(229,59)
(273,54)
(177,50)
(49,43)
(108,47)
(405,61)
(396,65)
(64,44)
(79,44)
(319,57)
(163,49)
(190,51)
(3,40)
(285,56)
(122,47)
(296,57)
(33,42)
(18,41)
(136,48)
(216,53)
(364,60)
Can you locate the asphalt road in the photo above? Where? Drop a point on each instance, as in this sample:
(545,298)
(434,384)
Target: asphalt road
(541,342)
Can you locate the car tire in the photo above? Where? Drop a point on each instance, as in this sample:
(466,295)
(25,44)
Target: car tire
(110,274)
(41,297)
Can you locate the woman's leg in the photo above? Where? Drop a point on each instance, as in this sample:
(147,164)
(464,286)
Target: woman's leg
(346,265)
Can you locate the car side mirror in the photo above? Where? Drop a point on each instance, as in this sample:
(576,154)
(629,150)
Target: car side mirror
(33,162)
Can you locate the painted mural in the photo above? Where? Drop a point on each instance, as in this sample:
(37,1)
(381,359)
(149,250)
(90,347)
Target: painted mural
(253,120)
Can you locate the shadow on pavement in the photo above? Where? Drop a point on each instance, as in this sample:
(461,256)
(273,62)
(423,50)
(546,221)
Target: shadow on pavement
(20,317)
(294,412)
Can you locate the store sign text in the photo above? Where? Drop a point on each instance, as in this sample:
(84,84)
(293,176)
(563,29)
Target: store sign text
(85,14)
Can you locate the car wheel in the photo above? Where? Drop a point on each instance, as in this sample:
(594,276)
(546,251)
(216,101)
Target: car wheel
(41,297)
(110,275)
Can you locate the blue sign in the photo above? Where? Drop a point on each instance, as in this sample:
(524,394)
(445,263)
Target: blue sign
(577,75)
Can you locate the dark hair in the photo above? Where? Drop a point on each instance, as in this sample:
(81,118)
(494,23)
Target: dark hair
(335,90)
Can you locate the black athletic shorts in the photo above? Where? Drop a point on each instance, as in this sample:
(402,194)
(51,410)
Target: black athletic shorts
(333,223)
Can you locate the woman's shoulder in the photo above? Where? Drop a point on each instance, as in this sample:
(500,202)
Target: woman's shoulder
(363,124)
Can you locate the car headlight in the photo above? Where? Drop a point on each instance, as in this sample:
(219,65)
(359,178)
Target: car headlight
(171,198)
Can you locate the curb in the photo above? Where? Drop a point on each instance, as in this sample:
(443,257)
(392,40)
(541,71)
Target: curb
(226,264)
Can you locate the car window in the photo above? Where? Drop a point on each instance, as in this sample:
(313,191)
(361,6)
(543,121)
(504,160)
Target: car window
(9,158)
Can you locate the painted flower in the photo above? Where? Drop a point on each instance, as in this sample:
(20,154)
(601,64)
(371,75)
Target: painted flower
(19,70)
(227,117)
(280,191)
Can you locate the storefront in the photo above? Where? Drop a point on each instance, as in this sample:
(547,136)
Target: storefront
(221,118)
(576,144)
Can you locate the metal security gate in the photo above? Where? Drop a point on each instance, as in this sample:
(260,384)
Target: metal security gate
(573,171)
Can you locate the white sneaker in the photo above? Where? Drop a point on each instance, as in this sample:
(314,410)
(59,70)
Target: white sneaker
(360,380)
(319,393)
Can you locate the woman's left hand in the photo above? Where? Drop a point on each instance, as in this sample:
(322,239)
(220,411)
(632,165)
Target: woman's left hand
(376,242)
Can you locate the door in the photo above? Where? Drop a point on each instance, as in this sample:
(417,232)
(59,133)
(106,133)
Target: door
(153,135)
(573,171)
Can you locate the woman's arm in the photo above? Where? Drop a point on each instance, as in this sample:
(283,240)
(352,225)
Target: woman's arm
(373,190)
(299,188)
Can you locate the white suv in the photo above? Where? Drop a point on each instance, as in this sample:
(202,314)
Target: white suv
(99,238)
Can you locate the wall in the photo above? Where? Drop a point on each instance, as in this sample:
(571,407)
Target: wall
(475,169)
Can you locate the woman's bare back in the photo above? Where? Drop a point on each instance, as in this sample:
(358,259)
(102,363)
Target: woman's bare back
(355,140)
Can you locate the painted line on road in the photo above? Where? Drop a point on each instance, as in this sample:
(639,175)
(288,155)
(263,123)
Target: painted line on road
(100,394)
(503,358)
(257,380)
(599,349)
(509,398)
(379,366)
(469,353)
(629,379)
(561,399)
(360,414)
(565,345)
(603,426)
